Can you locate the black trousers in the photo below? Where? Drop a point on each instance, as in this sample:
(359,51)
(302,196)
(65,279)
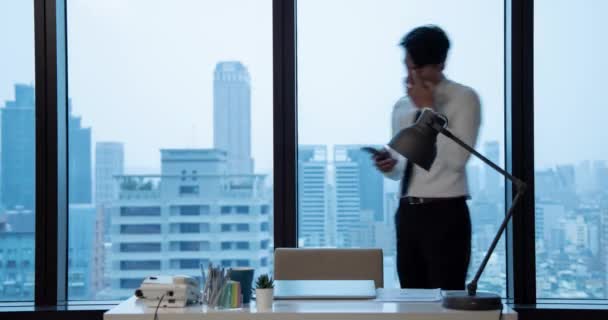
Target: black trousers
(433,244)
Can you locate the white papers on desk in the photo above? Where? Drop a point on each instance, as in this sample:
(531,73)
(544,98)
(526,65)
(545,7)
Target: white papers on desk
(408,295)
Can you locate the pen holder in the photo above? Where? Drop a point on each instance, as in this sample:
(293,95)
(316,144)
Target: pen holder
(219,291)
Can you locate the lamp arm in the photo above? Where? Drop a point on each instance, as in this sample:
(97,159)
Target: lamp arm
(520,188)
(518,183)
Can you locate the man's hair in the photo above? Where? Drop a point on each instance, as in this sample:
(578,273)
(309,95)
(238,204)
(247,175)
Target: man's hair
(426,45)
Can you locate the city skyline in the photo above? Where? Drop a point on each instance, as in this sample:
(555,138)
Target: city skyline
(353,223)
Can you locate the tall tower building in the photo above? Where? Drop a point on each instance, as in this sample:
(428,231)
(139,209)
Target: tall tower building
(232,115)
(359,190)
(473,178)
(109,163)
(80,167)
(18,146)
(312,196)
(492,185)
(371,182)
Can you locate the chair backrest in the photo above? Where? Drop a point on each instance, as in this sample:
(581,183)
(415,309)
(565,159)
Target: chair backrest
(329,264)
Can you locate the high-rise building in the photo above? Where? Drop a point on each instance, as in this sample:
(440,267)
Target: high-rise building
(600,172)
(17,255)
(551,217)
(474,180)
(359,188)
(603,241)
(81,243)
(312,196)
(18,145)
(492,185)
(584,178)
(80,168)
(204,214)
(232,115)
(371,182)
(109,163)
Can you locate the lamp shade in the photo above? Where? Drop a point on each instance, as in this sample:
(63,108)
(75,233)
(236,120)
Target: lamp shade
(417,142)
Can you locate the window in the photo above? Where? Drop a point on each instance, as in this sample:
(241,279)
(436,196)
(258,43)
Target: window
(188,190)
(189,246)
(190,210)
(140,229)
(226,263)
(264,244)
(204,99)
(265,209)
(130,283)
(189,264)
(242,263)
(140,265)
(242,245)
(140,247)
(571,166)
(189,228)
(226,227)
(242,227)
(242,209)
(226,245)
(140,211)
(342,200)
(264,226)
(225,209)
(264,262)
(17,144)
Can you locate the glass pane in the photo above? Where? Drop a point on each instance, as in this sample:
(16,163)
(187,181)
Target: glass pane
(350,74)
(17,151)
(170,124)
(571,171)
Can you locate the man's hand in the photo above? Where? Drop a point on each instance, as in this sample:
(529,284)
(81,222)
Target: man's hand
(384,162)
(420,92)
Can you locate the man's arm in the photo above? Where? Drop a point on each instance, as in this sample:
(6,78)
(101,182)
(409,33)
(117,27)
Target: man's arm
(393,167)
(464,124)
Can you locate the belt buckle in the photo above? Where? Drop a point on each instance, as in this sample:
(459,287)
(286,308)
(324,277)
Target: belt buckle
(415,200)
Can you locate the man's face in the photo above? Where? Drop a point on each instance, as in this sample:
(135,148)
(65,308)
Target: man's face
(430,72)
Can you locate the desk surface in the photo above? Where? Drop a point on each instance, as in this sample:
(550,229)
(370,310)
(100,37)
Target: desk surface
(132,309)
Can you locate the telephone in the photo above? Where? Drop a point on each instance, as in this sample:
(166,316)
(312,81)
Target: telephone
(171,291)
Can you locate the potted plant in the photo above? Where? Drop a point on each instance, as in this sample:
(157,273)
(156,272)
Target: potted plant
(264,292)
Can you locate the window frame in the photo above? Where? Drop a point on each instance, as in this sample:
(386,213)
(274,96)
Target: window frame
(51,250)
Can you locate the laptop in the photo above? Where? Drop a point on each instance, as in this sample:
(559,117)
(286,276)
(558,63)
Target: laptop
(324,289)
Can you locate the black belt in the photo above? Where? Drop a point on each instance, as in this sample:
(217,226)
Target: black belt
(416,200)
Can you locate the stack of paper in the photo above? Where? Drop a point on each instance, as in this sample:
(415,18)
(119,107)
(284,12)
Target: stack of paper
(408,295)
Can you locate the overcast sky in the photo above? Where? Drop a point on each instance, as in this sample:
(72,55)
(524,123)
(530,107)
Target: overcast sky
(141,71)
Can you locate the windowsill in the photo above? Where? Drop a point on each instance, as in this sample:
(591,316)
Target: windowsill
(568,304)
(564,305)
(71,306)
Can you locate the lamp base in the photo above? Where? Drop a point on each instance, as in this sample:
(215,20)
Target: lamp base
(461,300)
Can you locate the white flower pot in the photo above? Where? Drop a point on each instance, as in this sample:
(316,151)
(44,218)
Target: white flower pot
(264,298)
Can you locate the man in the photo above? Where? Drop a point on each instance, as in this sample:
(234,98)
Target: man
(432,223)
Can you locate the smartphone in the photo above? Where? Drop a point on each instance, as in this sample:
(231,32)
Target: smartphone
(380,154)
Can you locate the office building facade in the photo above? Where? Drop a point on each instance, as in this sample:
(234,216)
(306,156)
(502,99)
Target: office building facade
(312,196)
(192,214)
